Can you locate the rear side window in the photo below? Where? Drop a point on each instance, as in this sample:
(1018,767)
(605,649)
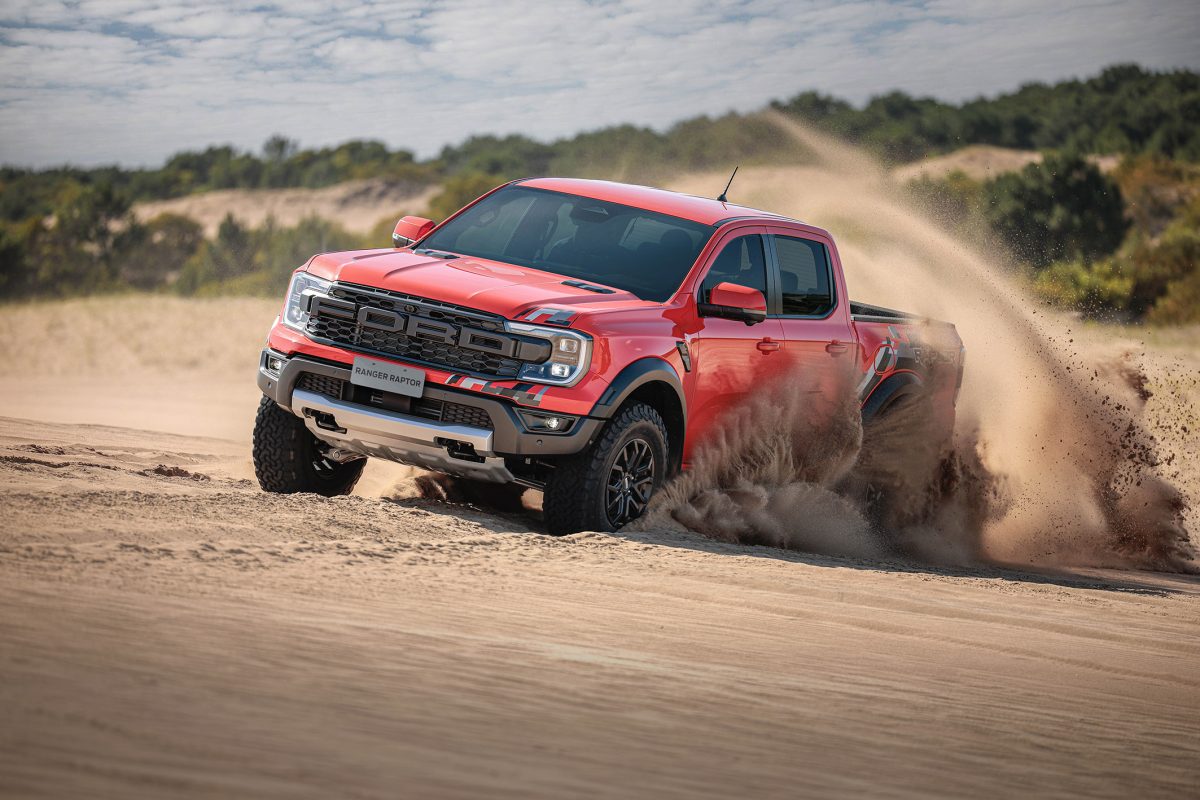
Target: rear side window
(741,261)
(804,277)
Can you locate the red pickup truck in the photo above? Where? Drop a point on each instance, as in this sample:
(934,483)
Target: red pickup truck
(578,337)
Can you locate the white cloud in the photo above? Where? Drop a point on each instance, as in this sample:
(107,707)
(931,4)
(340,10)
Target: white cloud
(136,80)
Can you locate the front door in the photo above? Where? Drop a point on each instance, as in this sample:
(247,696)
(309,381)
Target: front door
(730,357)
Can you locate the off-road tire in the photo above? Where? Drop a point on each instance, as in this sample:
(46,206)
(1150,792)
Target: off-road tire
(289,459)
(576,491)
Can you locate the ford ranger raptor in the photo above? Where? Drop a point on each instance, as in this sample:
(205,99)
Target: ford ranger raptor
(574,336)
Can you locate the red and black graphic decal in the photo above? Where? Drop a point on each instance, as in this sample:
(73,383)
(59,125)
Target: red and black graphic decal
(550,316)
(524,393)
(897,353)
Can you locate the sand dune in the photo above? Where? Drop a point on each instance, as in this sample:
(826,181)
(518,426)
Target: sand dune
(982,162)
(355,205)
(168,630)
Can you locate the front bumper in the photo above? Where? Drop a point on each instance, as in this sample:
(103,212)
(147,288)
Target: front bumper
(453,448)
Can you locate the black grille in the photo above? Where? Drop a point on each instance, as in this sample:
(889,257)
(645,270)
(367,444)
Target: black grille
(455,413)
(427,407)
(321,384)
(434,309)
(432,351)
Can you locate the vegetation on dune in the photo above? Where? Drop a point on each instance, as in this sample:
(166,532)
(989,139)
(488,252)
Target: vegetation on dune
(25,192)
(1125,244)
(1125,109)
(1122,246)
(258,261)
(1061,208)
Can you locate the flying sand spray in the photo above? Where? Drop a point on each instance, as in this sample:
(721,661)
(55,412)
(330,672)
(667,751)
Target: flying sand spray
(1051,462)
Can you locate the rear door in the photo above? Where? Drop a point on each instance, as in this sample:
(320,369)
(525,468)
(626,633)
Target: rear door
(730,357)
(808,303)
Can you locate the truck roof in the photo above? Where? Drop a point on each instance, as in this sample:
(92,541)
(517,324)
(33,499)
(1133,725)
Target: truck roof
(697,209)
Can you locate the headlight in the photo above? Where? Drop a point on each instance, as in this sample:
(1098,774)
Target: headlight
(570,354)
(295,312)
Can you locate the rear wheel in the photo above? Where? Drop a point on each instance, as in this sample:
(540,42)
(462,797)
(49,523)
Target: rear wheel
(289,459)
(609,484)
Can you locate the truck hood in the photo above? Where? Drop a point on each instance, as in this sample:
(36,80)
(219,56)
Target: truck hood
(491,286)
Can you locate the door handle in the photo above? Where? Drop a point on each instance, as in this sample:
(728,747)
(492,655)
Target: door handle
(768,345)
(835,347)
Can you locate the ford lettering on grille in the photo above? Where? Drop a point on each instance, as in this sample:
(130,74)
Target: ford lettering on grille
(413,336)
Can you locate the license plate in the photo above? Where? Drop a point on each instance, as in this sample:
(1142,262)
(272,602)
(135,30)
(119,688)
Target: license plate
(388,377)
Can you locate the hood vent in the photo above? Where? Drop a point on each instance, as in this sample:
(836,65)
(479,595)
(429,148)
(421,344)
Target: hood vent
(589,287)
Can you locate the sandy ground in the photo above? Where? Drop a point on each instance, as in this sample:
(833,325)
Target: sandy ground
(168,630)
(355,205)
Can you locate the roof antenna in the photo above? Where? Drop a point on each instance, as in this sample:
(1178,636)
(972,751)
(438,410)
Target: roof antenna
(723,198)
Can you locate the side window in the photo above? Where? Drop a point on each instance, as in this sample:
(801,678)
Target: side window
(740,261)
(804,279)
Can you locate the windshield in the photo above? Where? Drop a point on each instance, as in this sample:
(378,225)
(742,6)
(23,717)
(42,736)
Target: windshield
(638,251)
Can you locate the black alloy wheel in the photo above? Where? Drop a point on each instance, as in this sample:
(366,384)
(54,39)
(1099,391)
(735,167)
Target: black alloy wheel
(609,483)
(630,483)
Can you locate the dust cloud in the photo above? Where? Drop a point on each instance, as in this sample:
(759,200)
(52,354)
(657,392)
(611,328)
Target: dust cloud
(771,458)
(1050,464)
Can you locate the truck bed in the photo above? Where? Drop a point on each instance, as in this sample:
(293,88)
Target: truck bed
(864,312)
(868,313)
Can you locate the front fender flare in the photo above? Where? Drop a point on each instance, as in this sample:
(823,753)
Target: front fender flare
(633,377)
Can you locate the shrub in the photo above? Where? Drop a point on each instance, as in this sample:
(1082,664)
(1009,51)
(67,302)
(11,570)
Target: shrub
(1062,209)
(1155,190)
(150,256)
(1095,289)
(1180,304)
(259,261)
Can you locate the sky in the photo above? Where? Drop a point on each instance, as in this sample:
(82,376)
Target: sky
(133,81)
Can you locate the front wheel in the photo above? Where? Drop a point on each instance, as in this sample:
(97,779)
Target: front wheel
(288,458)
(609,484)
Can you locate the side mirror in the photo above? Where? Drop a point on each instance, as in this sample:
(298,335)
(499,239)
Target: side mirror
(730,301)
(411,229)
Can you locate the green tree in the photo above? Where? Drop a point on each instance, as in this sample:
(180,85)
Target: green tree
(1062,209)
(218,260)
(278,149)
(258,261)
(14,277)
(71,252)
(280,169)
(150,256)
(509,157)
